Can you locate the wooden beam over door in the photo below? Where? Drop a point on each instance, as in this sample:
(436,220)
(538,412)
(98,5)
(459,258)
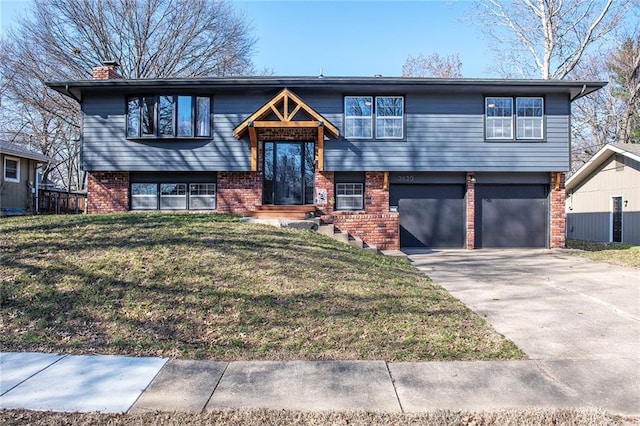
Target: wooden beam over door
(286,124)
(320,148)
(253,136)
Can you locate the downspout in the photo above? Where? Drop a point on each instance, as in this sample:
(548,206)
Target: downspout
(37,190)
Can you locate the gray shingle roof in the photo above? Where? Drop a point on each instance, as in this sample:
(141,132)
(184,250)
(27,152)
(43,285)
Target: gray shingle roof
(22,152)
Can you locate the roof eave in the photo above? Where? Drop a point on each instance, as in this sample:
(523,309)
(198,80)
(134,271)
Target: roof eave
(590,166)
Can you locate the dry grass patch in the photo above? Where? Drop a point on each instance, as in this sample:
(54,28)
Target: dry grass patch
(209,287)
(616,253)
(566,417)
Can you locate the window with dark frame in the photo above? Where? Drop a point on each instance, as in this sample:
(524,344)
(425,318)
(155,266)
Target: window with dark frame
(349,196)
(182,116)
(501,118)
(173,196)
(359,113)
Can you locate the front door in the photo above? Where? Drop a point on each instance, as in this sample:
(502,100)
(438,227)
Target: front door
(616,220)
(288,173)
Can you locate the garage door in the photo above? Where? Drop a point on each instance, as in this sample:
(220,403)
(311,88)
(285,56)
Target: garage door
(430,215)
(511,215)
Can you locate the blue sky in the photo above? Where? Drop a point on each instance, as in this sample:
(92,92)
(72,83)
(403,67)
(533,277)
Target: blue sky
(349,38)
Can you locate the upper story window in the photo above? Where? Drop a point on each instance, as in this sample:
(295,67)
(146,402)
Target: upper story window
(500,118)
(12,169)
(359,114)
(182,116)
(529,118)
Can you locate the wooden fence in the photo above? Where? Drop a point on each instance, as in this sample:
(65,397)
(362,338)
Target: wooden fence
(54,201)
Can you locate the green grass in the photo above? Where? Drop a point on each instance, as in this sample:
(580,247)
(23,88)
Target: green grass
(616,253)
(209,287)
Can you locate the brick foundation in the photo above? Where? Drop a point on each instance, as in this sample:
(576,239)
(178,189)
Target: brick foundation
(376,226)
(108,192)
(557,211)
(238,191)
(471,211)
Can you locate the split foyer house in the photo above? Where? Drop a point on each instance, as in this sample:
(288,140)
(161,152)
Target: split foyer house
(397,162)
(603,197)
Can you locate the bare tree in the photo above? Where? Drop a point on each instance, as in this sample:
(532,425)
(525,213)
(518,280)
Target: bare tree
(612,114)
(433,65)
(547,38)
(624,66)
(64,39)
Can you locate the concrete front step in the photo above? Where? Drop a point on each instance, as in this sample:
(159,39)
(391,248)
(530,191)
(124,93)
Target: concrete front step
(284,222)
(282,212)
(329,230)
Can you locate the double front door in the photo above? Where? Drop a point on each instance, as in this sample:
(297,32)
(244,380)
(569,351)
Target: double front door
(288,173)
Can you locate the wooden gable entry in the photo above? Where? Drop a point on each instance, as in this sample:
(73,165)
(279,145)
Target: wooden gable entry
(285,106)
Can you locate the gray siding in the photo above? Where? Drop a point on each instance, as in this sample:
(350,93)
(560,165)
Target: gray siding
(446,133)
(631,228)
(589,226)
(106,148)
(443,133)
(597,227)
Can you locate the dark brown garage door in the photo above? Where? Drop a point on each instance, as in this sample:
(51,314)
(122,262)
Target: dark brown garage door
(511,215)
(430,215)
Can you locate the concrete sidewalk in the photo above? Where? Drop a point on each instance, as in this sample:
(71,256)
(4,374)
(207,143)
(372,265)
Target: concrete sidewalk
(38,381)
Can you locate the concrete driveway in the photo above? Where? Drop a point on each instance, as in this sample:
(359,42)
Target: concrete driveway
(578,319)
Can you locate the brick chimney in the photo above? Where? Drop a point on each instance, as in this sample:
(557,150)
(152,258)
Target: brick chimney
(108,71)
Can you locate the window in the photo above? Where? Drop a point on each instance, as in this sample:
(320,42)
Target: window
(12,169)
(349,196)
(499,121)
(202,196)
(389,117)
(173,196)
(529,118)
(144,196)
(499,112)
(358,116)
(181,116)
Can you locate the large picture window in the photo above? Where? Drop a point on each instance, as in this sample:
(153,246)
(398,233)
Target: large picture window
(182,116)
(527,118)
(359,112)
(12,169)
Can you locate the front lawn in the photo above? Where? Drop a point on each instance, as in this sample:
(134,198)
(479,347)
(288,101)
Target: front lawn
(208,287)
(616,253)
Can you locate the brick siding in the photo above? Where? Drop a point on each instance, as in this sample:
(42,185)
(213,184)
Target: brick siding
(471,211)
(238,191)
(376,226)
(557,210)
(108,192)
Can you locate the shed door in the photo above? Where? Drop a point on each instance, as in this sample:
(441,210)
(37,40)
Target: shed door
(431,215)
(616,220)
(511,215)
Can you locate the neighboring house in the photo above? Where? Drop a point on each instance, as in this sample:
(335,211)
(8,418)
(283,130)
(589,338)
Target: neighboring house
(603,197)
(398,162)
(18,178)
